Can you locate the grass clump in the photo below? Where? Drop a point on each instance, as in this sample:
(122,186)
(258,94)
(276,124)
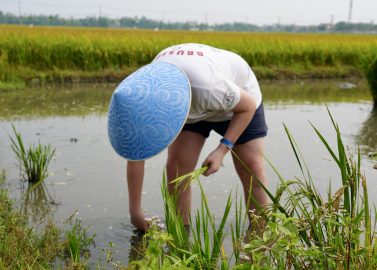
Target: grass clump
(33,161)
(77,242)
(43,247)
(22,247)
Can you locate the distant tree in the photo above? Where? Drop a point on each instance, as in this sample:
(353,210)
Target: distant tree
(143,22)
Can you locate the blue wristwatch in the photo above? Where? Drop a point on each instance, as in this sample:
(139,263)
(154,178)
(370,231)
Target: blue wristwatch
(227,143)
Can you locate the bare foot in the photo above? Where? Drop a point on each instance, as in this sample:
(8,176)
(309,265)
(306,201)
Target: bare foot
(138,220)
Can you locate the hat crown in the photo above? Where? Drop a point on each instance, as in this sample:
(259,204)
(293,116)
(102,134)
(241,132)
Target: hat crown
(147,110)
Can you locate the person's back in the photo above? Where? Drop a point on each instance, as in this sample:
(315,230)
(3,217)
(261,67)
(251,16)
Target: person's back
(211,71)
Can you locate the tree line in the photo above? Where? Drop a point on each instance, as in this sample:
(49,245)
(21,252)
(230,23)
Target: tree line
(145,23)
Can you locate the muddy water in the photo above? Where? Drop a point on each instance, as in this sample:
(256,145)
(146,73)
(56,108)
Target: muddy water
(88,178)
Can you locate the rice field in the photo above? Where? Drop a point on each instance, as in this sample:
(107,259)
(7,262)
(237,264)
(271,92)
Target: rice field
(45,52)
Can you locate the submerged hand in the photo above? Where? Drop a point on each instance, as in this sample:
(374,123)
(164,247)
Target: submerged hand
(215,159)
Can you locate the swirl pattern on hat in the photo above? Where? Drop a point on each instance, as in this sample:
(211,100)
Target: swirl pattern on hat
(147,110)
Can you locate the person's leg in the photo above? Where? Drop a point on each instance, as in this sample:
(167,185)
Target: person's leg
(135,177)
(183,156)
(251,154)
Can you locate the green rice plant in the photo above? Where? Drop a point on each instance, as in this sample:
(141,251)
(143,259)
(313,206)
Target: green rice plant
(237,229)
(77,242)
(33,161)
(174,222)
(207,236)
(204,239)
(371,74)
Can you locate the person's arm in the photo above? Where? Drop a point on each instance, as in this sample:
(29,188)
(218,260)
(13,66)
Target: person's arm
(243,112)
(135,177)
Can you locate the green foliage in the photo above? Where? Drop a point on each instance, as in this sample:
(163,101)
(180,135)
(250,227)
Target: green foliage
(33,161)
(372,79)
(156,255)
(25,247)
(22,247)
(207,237)
(77,241)
(339,233)
(279,247)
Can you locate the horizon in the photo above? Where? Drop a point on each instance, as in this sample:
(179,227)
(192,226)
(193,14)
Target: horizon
(210,11)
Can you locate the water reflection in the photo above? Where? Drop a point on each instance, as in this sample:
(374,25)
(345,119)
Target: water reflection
(313,92)
(82,100)
(37,203)
(76,100)
(367,136)
(137,246)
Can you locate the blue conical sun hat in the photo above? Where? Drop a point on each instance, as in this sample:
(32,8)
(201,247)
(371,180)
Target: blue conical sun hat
(148,110)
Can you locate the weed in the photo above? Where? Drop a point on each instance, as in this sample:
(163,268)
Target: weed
(22,247)
(77,241)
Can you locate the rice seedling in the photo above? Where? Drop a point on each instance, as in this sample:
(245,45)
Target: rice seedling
(203,241)
(33,161)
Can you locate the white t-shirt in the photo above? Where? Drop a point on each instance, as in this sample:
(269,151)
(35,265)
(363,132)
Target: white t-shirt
(216,77)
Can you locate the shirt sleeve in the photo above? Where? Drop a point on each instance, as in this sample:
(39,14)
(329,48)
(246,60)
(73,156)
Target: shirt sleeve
(224,95)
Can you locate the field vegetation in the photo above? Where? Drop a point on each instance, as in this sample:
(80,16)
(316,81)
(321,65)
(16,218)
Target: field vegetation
(35,55)
(39,247)
(303,229)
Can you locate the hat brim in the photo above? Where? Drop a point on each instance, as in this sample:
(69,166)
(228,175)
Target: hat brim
(147,110)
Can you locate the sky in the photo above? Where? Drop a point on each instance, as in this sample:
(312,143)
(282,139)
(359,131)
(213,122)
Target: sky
(259,12)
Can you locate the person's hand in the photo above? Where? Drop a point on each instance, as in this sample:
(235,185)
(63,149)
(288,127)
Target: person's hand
(138,220)
(215,159)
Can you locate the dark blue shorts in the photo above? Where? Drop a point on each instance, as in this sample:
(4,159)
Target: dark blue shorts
(257,127)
